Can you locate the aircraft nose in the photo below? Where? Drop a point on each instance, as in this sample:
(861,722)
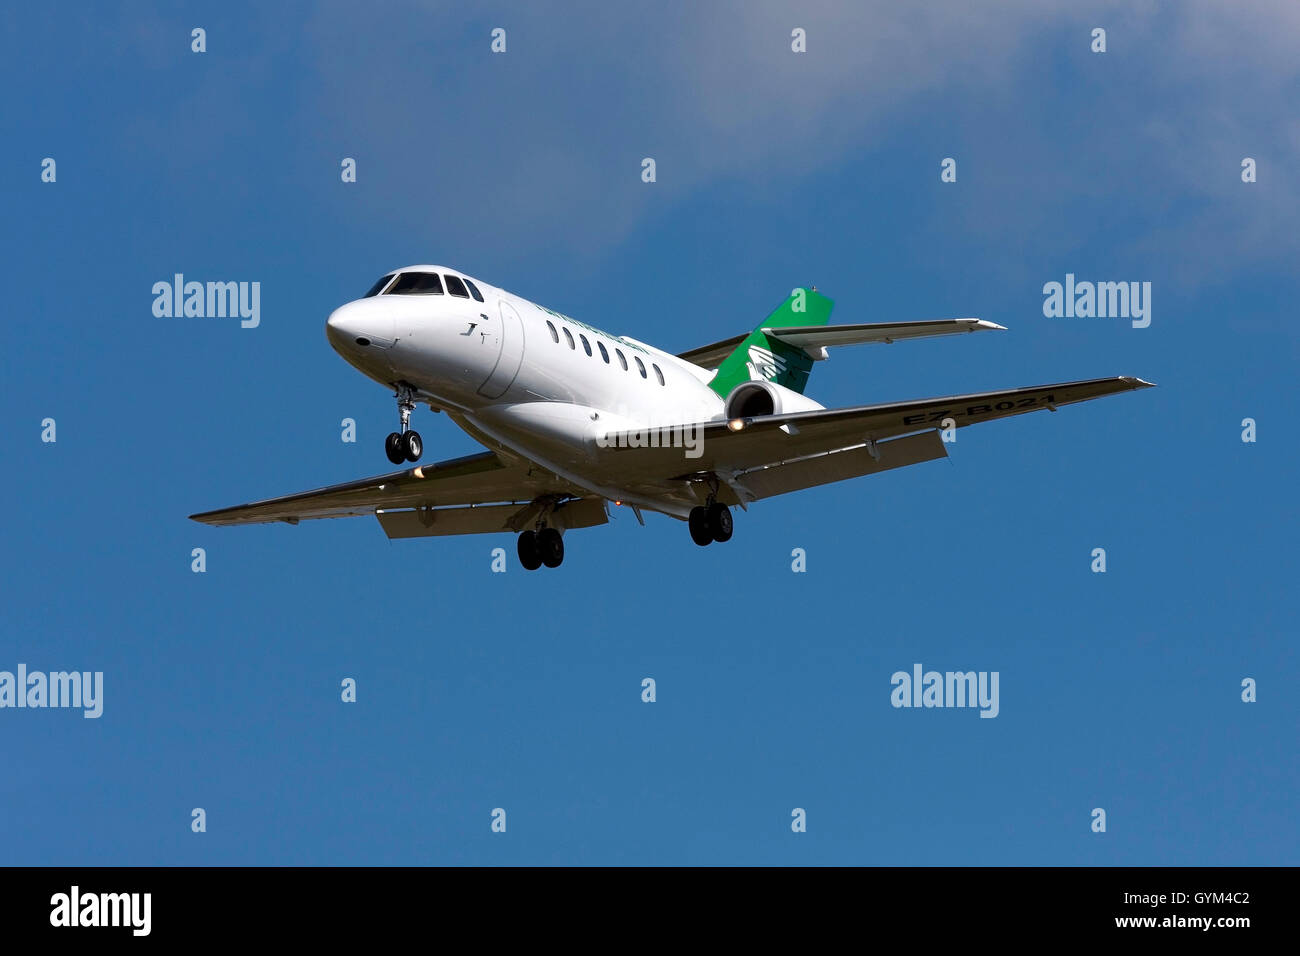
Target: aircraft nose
(356,325)
(339,330)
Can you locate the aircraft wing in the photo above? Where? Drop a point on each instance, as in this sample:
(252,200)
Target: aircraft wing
(470,495)
(744,447)
(814,338)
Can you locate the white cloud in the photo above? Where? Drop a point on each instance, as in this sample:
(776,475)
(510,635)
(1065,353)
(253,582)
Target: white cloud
(541,147)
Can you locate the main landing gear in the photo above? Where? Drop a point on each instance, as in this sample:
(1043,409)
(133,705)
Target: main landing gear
(709,523)
(406,444)
(545,546)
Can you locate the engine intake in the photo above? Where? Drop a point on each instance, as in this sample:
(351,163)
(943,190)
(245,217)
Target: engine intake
(749,400)
(753,399)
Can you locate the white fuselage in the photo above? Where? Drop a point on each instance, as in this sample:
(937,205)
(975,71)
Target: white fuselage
(519,378)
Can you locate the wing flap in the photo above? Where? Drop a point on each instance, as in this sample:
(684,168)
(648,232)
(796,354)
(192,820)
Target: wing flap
(475,479)
(486,519)
(770,480)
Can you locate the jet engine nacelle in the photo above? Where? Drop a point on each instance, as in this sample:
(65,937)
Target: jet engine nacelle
(751,399)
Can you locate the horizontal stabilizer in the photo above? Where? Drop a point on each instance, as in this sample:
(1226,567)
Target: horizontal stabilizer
(814,338)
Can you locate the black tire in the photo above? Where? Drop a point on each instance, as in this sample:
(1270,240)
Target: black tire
(393,448)
(699,525)
(530,558)
(720,526)
(412,446)
(551,547)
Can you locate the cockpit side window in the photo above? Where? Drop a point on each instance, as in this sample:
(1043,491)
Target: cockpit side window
(416,283)
(378,287)
(456,287)
(473,290)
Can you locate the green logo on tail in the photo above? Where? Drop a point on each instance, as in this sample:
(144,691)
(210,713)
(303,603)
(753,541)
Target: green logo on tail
(760,358)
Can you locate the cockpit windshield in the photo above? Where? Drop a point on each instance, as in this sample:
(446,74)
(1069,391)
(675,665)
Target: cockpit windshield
(416,283)
(378,287)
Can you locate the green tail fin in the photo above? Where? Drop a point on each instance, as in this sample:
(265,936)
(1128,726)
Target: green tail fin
(760,358)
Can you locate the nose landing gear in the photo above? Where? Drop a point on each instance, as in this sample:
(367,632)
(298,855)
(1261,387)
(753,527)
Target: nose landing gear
(405,445)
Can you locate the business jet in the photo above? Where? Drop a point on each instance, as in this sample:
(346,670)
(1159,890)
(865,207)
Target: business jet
(576,419)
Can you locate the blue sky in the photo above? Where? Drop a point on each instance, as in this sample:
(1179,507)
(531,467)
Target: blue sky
(478,690)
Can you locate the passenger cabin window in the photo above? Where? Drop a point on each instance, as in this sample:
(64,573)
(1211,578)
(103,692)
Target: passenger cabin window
(568,337)
(658,374)
(378,287)
(555,336)
(640,366)
(603,354)
(586,346)
(473,290)
(416,283)
(621,361)
(456,287)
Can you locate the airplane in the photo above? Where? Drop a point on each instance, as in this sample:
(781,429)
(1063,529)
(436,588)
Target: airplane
(575,418)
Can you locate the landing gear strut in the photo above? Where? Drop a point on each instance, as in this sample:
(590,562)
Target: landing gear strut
(406,444)
(710,523)
(545,546)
